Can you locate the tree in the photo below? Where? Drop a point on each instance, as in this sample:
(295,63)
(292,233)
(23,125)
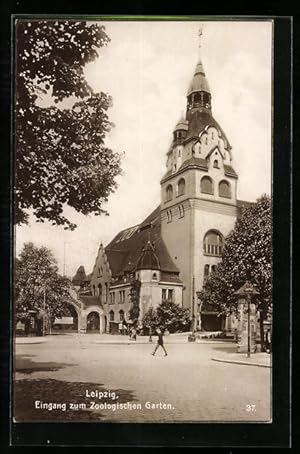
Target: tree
(60,154)
(134,311)
(173,317)
(247,255)
(37,283)
(150,320)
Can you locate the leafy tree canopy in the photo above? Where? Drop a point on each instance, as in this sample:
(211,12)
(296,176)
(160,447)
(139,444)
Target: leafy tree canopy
(168,315)
(36,271)
(247,255)
(61,158)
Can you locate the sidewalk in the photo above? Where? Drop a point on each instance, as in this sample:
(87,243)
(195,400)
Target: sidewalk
(118,339)
(256,359)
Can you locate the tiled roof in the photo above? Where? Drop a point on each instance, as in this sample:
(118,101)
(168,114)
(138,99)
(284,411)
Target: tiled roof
(167,277)
(197,162)
(148,259)
(80,276)
(199,120)
(123,254)
(229,171)
(90,300)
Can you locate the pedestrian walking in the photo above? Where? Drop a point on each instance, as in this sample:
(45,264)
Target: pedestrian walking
(160,342)
(268,341)
(133,334)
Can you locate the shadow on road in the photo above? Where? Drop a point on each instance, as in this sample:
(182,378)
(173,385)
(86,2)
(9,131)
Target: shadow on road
(27,392)
(25,365)
(228,349)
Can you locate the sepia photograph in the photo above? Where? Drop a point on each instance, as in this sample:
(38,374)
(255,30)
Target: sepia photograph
(143,221)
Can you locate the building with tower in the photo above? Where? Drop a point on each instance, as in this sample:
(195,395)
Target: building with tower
(173,251)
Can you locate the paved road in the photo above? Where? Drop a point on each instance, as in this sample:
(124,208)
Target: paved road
(184,386)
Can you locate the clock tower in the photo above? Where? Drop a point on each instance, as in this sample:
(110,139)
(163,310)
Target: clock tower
(198,190)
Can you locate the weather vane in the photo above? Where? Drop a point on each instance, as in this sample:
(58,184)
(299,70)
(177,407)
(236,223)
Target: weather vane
(200,33)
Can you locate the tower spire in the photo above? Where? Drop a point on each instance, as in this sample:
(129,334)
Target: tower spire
(198,95)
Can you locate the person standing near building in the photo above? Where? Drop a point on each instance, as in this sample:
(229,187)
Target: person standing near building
(160,342)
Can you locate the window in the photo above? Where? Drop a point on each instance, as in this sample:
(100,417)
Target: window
(179,153)
(206,185)
(100,292)
(154,277)
(181,211)
(169,193)
(121,316)
(181,186)
(216,164)
(169,216)
(168,295)
(111,316)
(121,296)
(224,189)
(106,292)
(213,243)
(213,268)
(94,290)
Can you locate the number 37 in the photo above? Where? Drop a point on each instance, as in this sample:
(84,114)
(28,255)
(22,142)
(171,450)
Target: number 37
(250,407)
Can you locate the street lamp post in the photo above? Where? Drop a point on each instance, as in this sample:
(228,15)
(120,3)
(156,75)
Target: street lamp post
(44,308)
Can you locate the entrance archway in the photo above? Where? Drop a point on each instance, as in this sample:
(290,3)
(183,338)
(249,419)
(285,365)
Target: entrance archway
(93,322)
(68,321)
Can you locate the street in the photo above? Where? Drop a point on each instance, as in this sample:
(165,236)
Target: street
(83,378)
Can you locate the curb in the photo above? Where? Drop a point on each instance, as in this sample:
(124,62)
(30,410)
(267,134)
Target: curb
(243,363)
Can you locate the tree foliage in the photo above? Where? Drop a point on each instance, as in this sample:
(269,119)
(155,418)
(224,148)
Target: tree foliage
(36,272)
(247,255)
(150,319)
(61,158)
(134,311)
(169,316)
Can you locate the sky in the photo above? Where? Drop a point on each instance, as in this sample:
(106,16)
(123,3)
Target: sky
(147,68)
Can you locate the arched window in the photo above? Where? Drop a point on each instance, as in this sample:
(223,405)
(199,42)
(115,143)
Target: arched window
(213,268)
(100,292)
(206,185)
(111,316)
(154,277)
(181,186)
(169,193)
(106,292)
(224,189)
(94,290)
(121,316)
(216,164)
(213,243)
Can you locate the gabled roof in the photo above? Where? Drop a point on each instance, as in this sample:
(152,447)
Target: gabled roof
(123,252)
